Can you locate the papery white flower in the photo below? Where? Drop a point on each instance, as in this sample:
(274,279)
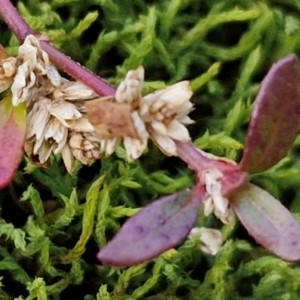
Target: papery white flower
(130,89)
(73,91)
(85,146)
(165,112)
(60,116)
(211,239)
(34,68)
(214,200)
(161,115)
(54,108)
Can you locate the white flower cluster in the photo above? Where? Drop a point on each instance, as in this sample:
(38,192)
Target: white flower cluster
(59,111)
(211,239)
(160,116)
(214,201)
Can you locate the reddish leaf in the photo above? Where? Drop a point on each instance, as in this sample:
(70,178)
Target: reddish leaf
(12,138)
(159,226)
(275,120)
(268,221)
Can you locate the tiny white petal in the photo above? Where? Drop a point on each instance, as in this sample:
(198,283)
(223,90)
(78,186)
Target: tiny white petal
(51,128)
(59,133)
(76,140)
(130,89)
(108,146)
(178,131)
(165,144)
(37,145)
(70,90)
(53,75)
(184,110)
(81,124)
(139,125)
(37,118)
(68,158)
(208,205)
(9,66)
(45,151)
(63,111)
(159,127)
(134,147)
(185,120)
(23,81)
(175,95)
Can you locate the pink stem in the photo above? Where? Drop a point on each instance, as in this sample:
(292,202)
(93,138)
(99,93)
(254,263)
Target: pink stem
(188,153)
(74,69)
(21,29)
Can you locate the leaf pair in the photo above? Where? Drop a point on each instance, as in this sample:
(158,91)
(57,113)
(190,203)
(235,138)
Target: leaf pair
(274,125)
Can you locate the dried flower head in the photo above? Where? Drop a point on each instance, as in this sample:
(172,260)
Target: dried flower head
(160,116)
(55,113)
(67,117)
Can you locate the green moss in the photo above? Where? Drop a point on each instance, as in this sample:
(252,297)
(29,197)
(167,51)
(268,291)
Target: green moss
(48,243)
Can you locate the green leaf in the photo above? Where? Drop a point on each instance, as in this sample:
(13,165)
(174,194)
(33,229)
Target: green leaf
(213,20)
(200,81)
(87,222)
(12,138)
(37,289)
(9,264)
(17,235)
(84,24)
(33,195)
(130,184)
(69,211)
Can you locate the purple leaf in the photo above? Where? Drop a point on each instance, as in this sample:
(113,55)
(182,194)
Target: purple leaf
(275,120)
(161,225)
(12,138)
(268,221)
(201,162)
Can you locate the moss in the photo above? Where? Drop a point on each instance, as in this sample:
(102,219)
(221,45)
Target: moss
(48,248)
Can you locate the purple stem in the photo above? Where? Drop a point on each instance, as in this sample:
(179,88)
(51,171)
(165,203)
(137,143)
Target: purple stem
(21,29)
(188,153)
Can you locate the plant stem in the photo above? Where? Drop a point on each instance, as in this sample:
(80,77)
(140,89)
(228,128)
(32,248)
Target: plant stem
(20,28)
(74,69)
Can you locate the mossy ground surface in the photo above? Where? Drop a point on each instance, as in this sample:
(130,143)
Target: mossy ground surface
(225,48)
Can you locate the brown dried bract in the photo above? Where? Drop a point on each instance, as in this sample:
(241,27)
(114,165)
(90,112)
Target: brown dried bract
(111,119)
(3,53)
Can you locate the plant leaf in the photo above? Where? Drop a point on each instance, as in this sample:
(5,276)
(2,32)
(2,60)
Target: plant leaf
(268,221)
(275,120)
(161,225)
(12,138)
